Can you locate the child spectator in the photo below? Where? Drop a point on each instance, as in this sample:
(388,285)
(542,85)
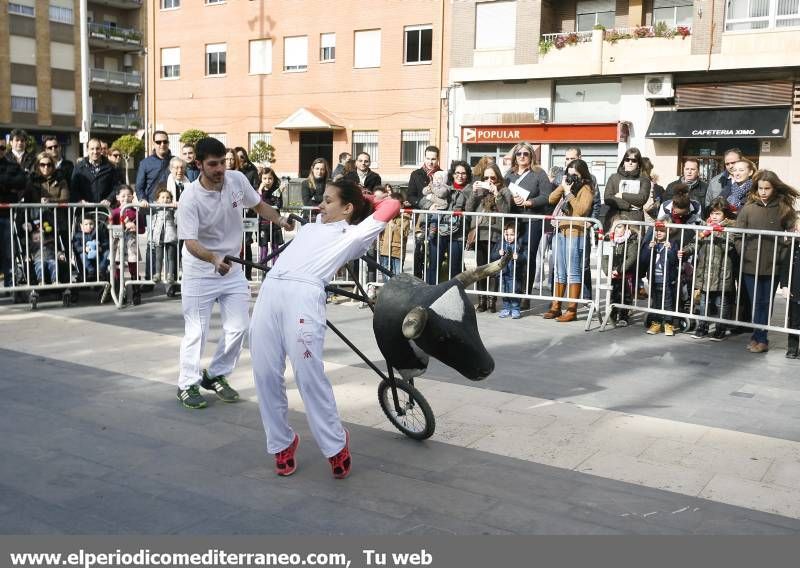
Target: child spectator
(42,249)
(165,236)
(91,247)
(681,209)
(621,266)
(436,196)
(512,278)
(269,234)
(393,240)
(714,269)
(790,283)
(660,260)
(133,225)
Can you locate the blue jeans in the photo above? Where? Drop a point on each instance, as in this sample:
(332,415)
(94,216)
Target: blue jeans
(51,265)
(759,290)
(5,248)
(391,263)
(569,258)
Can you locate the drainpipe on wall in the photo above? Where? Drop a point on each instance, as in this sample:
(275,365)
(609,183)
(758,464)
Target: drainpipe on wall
(86,119)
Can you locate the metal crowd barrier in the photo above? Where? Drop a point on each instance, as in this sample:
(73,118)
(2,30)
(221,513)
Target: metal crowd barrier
(48,251)
(720,281)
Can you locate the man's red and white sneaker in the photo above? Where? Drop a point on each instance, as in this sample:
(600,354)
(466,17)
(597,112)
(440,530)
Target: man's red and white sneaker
(284,460)
(340,463)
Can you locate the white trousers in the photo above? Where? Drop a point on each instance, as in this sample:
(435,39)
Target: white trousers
(289,319)
(198,296)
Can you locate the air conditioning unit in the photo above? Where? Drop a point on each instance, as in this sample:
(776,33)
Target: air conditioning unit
(658,87)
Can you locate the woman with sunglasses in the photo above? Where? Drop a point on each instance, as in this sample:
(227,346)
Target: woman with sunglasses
(488,195)
(47,184)
(627,190)
(525,177)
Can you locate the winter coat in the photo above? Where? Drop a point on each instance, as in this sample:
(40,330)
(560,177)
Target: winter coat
(152,171)
(540,188)
(718,186)
(490,228)
(693,217)
(756,215)
(312,196)
(517,269)
(394,237)
(130,214)
(712,258)
(581,206)
(447,224)
(372,180)
(251,173)
(164,228)
(93,184)
(416,182)
(66,168)
(629,206)
(623,256)
(96,242)
(27,163)
(192,173)
(54,188)
(176,187)
(663,260)
(698,190)
(13,181)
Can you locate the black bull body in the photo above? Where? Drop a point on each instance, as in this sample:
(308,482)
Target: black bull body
(414,320)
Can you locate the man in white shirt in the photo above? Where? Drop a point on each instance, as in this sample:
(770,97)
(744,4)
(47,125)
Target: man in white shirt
(210,224)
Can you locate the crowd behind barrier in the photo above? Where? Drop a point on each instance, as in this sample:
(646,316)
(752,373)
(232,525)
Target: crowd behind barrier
(692,275)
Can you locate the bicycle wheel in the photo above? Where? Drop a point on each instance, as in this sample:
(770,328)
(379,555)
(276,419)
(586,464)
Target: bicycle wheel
(416,419)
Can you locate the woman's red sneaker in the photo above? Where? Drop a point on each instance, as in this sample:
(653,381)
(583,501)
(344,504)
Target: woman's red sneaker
(340,463)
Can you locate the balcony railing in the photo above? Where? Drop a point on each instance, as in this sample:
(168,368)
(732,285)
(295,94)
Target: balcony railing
(582,37)
(116,121)
(127,36)
(117,79)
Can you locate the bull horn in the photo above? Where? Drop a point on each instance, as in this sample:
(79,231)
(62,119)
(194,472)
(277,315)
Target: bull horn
(414,322)
(469,277)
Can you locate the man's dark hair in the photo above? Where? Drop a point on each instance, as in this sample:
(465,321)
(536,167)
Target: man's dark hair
(343,155)
(695,160)
(18,133)
(733,150)
(157,132)
(49,138)
(577,150)
(432,149)
(207,147)
(364,154)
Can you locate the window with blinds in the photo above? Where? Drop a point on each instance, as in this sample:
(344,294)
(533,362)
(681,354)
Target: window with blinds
(254,137)
(412,147)
(327,47)
(23,98)
(216,59)
(61,12)
(221,136)
(366,141)
(502,16)
(23,8)
(673,12)
(743,15)
(174,141)
(62,101)
(261,56)
(170,62)
(295,53)
(367,51)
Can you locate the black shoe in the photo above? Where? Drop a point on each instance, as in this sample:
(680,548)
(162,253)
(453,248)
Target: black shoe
(700,333)
(718,335)
(191,397)
(791,352)
(219,385)
(136,297)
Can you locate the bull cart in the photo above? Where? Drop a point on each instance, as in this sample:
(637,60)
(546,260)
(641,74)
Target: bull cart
(401,402)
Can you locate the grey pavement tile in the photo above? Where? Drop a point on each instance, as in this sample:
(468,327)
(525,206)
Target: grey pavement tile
(246,522)
(426,522)
(327,517)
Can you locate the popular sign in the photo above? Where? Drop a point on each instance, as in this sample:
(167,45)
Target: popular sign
(539,133)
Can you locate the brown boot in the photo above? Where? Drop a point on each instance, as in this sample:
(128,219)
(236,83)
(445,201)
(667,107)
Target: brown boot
(555,306)
(493,304)
(481,304)
(572,310)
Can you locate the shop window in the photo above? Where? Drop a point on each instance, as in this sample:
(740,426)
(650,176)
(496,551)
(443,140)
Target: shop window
(587,102)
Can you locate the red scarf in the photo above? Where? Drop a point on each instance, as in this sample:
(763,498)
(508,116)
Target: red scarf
(458,186)
(430,172)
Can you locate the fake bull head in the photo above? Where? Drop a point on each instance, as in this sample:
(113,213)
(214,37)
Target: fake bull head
(414,320)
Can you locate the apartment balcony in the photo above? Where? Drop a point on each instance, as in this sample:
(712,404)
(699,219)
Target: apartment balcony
(121,4)
(114,37)
(116,81)
(619,51)
(121,122)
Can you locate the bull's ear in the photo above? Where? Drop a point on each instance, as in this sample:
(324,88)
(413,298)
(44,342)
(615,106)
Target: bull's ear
(414,322)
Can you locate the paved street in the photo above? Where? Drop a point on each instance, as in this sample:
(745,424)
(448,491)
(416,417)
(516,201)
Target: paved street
(575,433)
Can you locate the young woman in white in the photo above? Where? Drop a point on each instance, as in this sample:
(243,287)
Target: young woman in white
(289,320)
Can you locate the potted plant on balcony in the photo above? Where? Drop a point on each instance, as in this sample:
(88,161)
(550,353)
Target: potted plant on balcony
(192,135)
(262,153)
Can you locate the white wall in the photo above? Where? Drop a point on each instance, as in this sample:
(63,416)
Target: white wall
(779,158)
